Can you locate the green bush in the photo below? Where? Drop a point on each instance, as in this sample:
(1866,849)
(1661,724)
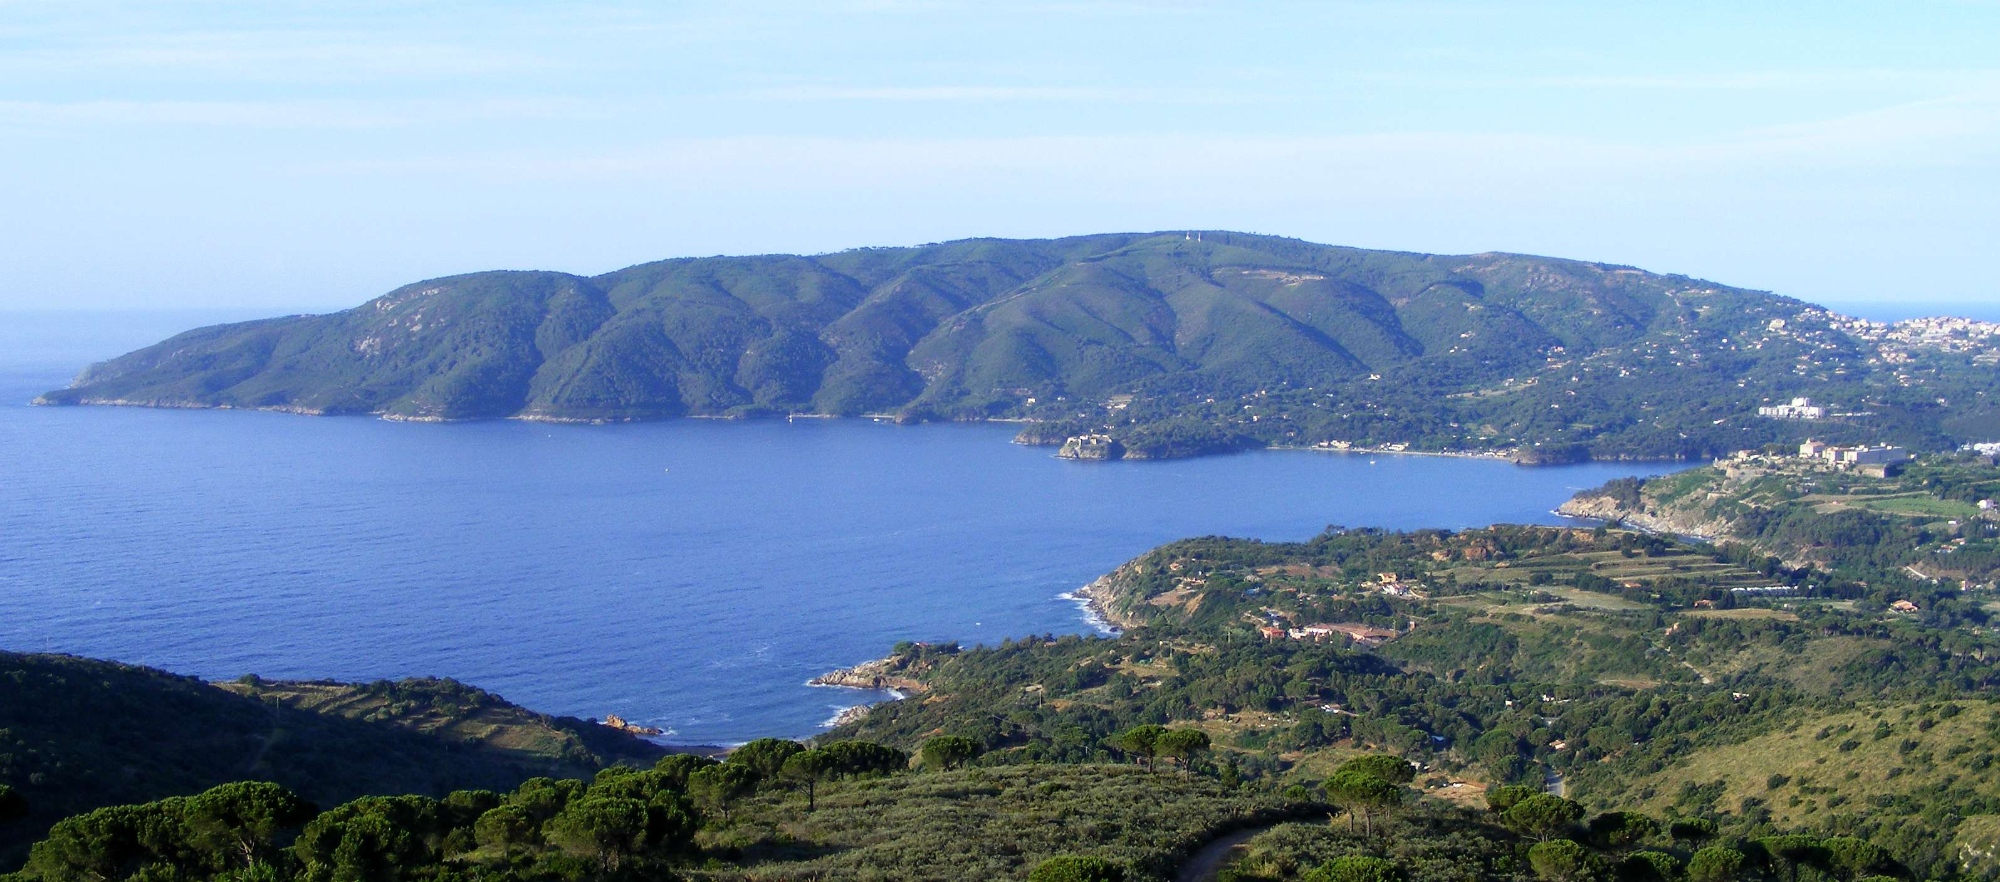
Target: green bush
(1073,868)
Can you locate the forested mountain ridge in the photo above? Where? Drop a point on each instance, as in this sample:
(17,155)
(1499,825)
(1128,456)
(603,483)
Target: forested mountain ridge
(1170,345)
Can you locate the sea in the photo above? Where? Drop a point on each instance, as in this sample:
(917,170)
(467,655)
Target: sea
(690,575)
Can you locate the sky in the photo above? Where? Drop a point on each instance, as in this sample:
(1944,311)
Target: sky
(301,156)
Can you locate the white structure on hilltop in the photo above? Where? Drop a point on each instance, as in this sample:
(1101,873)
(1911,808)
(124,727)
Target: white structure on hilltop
(1874,454)
(1799,409)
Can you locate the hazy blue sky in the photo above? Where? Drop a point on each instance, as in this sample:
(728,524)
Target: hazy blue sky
(293,155)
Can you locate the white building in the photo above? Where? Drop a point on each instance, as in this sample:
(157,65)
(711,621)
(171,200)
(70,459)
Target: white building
(1799,409)
(1875,454)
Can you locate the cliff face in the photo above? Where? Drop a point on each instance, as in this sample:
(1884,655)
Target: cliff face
(1671,521)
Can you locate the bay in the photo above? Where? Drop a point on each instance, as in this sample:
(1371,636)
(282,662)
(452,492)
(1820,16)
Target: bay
(690,574)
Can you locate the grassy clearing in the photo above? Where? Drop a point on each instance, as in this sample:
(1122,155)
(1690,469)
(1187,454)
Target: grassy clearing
(1641,571)
(1595,600)
(1919,506)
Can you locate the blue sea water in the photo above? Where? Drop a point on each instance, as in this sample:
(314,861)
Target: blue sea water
(690,574)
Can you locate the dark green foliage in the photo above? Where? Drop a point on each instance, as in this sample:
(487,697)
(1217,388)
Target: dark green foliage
(234,832)
(765,756)
(1074,868)
(718,787)
(373,838)
(76,734)
(242,820)
(679,766)
(1715,863)
(1502,798)
(1141,743)
(1854,858)
(1618,830)
(1394,770)
(1561,860)
(949,751)
(506,829)
(1362,793)
(1543,816)
(854,758)
(1230,342)
(114,842)
(807,768)
(1692,830)
(1649,866)
(606,828)
(1182,745)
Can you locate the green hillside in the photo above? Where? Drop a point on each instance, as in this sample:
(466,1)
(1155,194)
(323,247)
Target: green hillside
(77,733)
(1922,520)
(1173,346)
(1626,665)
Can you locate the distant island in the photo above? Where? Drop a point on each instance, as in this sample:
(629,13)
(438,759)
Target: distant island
(1131,345)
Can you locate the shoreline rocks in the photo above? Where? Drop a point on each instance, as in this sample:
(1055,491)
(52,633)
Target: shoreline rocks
(882,674)
(1605,508)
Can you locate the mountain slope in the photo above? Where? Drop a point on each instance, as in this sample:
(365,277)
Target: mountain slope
(79,733)
(1229,341)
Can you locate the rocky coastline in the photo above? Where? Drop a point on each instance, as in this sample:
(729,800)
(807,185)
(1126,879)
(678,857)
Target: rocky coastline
(1098,598)
(1605,508)
(882,674)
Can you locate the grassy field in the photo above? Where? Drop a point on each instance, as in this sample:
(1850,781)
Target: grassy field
(1919,506)
(1641,571)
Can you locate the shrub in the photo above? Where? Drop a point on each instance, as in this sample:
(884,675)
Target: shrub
(1715,864)
(1355,868)
(1074,868)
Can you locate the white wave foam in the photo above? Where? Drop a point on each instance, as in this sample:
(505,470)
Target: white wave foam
(1090,616)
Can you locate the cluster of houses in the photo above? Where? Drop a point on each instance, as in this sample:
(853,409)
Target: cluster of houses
(1276,627)
(1394,586)
(1877,454)
(1363,635)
